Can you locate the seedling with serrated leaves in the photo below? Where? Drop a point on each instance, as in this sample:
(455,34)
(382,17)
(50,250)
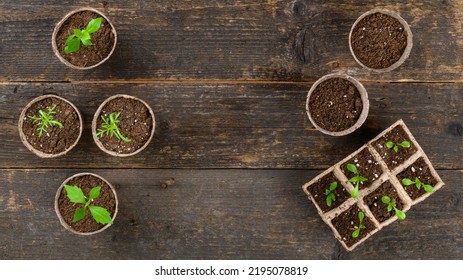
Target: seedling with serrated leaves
(109,127)
(357,179)
(74,40)
(361,226)
(330,196)
(391,205)
(45,119)
(418,184)
(395,146)
(76,195)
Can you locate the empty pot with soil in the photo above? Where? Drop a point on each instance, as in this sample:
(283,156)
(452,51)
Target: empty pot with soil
(84,39)
(123,125)
(86,204)
(50,126)
(380,40)
(337,104)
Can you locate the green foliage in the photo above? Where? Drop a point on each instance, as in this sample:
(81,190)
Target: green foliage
(395,146)
(45,119)
(391,205)
(109,127)
(361,226)
(357,179)
(418,184)
(74,40)
(330,196)
(76,195)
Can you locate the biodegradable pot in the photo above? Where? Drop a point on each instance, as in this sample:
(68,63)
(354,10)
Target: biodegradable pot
(58,41)
(361,116)
(58,141)
(405,53)
(384,179)
(137,123)
(108,193)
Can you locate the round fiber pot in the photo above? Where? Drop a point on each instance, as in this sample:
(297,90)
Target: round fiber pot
(135,122)
(54,141)
(87,57)
(380,40)
(337,104)
(65,209)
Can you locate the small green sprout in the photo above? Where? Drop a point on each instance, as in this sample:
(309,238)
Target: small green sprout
(73,41)
(330,197)
(357,179)
(109,127)
(45,119)
(361,226)
(418,184)
(391,145)
(391,205)
(76,195)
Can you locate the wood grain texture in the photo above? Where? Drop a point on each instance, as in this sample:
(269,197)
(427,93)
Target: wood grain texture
(298,40)
(215,214)
(241,126)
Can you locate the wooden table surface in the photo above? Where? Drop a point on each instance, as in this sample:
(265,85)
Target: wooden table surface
(228,82)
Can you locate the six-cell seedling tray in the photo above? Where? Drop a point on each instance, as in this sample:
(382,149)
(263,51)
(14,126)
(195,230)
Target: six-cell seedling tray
(384,168)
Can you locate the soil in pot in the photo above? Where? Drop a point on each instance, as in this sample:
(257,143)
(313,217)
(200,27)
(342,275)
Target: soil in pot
(86,183)
(318,192)
(103,39)
(421,170)
(335,104)
(56,140)
(367,167)
(394,158)
(136,123)
(378,40)
(348,221)
(377,207)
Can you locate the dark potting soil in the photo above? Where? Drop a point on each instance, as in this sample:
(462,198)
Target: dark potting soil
(135,123)
(377,207)
(335,104)
(348,221)
(367,166)
(392,158)
(103,40)
(317,190)
(105,200)
(421,170)
(378,40)
(56,139)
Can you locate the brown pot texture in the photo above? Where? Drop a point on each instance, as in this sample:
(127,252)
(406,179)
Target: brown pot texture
(363,95)
(63,221)
(60,24)
(147,138)
(405,53)
(23,137)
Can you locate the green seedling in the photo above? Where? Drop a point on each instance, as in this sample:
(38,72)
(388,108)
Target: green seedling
(395,146)
(391,205)
(357,179)
(418,184)
(45,119)
(99,214)
(330,197)
(361,226)
(109,127)
(74,40)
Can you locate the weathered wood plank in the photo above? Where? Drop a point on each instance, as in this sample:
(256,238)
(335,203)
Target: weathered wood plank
(241,126)
(215,214)
(298,40)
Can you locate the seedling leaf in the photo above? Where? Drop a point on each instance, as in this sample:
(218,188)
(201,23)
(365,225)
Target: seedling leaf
(427,188)
(333,186)
(109,127)
(407,182)
(405,144)
(355,192)
(400,214)
(95,192)
(361,216)
(100,214)
(386,199)
(390,144)
(75,194)
(94,25)
(396,149)
(79,214)
(352,168)
(356,233)
(78,36)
